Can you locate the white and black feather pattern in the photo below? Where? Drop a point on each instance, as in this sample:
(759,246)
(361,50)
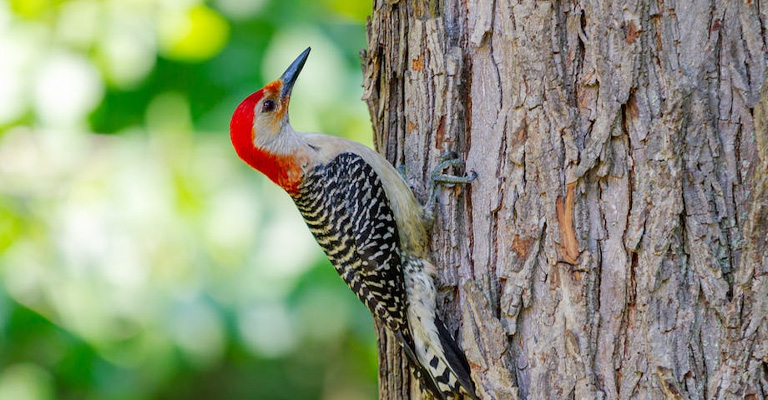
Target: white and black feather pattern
(435,348)
(347,210)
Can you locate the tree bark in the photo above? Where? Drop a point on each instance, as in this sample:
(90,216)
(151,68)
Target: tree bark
(615,242)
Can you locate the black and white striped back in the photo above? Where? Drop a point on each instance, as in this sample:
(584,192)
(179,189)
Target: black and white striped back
(345,206)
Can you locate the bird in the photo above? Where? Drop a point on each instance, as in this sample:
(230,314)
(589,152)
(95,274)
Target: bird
(367,220)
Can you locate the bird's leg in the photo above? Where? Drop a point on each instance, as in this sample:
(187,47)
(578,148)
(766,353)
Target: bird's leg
(439,177)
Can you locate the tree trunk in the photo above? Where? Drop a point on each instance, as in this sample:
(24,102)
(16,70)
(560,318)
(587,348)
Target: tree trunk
(614,244)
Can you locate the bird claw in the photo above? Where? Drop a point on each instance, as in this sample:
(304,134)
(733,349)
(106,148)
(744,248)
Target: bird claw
(450,180)
(447,160)
(439,177)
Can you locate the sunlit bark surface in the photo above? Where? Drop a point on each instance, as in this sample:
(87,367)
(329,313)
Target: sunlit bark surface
(615,243)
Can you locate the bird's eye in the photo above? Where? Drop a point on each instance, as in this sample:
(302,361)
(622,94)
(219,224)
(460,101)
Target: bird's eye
(269,106)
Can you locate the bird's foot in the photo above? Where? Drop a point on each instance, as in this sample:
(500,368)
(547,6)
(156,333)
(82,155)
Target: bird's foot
(439,177)
(448,160)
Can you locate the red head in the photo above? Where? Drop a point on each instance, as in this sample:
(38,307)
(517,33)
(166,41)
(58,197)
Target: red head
(259,125)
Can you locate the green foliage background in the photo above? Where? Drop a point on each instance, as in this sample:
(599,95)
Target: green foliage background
(139,258)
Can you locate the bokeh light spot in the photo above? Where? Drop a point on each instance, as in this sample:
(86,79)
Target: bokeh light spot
(196,35)
(68,87)
(127,51)
(198,331)
(79,23)
(268,329)
(19,50)
(30,8)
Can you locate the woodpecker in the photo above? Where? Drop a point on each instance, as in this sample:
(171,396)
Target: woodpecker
(365,218)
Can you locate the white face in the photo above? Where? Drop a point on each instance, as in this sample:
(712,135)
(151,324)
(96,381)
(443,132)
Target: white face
(270,117)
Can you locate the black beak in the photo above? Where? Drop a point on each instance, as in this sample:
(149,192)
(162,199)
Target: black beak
(290,74)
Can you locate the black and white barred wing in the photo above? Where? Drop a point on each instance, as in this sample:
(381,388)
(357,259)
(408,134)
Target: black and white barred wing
(346,208)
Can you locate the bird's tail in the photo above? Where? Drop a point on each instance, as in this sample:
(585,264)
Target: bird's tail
(455,371)
(436,351)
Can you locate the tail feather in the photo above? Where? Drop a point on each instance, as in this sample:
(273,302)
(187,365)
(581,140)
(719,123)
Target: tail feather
(438,354)
(421,373)
(456,359)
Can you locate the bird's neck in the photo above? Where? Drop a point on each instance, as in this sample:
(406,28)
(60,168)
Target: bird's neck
(281,160)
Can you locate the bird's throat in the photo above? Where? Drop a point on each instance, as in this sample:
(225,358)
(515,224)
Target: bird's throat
(285,171)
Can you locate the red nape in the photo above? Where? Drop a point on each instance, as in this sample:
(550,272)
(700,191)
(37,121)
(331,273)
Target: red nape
(283,170)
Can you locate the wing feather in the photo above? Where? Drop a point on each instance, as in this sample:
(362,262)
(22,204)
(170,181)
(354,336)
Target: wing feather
(346,208)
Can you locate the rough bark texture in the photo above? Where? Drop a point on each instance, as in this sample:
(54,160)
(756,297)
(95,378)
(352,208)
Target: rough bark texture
(614,244)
